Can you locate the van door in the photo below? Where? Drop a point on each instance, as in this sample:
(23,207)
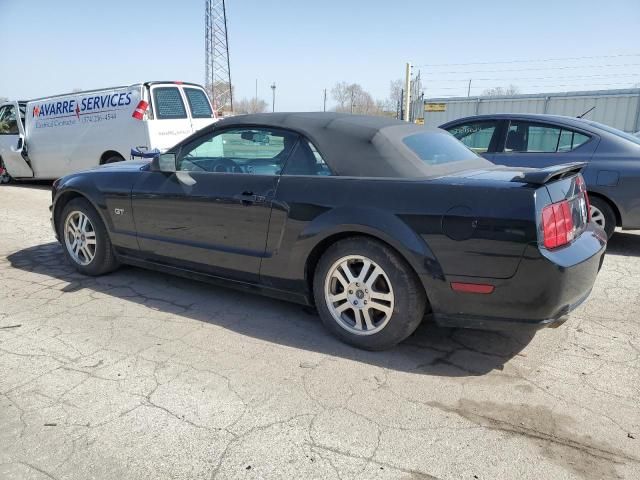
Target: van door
(169,122)
(202,114)
(12,138)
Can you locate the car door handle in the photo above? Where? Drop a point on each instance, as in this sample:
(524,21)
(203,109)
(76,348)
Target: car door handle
(249,198)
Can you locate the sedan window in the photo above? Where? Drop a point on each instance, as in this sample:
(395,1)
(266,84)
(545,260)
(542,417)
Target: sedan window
(539,138)
(477,135)
(244,150)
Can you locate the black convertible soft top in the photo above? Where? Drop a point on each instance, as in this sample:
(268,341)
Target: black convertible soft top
(358,145)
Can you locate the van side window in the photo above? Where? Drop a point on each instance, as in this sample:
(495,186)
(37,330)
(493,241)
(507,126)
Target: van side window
(168,103)
(198,103)
(8,121)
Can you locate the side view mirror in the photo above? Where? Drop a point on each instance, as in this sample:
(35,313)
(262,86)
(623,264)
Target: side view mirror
(19,146)
(165,162)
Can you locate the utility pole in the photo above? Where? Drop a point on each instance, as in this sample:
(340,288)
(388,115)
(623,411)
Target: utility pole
(256,97)
(407,92)
(324,103)
(469,89)
(273,100)
(351,101)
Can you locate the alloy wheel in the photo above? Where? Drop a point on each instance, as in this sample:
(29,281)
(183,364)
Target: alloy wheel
(359,295)
(597,216)
(80,238)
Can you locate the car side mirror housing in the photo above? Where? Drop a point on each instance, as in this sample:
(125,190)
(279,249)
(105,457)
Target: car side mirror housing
(165,162)
(18,148)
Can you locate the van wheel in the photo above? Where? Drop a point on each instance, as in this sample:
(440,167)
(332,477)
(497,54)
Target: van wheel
(85,240)
(367,295)
(113,159)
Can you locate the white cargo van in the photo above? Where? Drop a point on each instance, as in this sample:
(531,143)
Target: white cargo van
(50,137)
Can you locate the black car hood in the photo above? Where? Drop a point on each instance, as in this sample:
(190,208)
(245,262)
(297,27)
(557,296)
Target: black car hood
(125,166)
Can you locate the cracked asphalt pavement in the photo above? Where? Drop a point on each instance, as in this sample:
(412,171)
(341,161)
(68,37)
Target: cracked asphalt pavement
(140,375)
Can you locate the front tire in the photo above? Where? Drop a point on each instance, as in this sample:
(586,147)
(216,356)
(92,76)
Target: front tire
(603,215)
(85,240)
(367,295)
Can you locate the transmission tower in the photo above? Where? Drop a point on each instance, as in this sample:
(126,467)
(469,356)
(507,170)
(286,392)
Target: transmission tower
(217,68)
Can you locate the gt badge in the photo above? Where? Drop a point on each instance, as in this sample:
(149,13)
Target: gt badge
(118,211)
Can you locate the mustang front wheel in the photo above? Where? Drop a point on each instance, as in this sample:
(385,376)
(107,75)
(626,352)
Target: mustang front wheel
(367,295)
(85,239)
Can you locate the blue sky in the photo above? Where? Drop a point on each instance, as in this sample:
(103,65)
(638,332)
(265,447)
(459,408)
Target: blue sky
(52,47)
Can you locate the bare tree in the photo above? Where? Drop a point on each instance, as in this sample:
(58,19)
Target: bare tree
(253,105)
(501,91)
(395,94)
(352,98)
(3,99)
(341,94)
(223,101)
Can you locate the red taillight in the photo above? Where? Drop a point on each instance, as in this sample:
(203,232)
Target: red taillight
(583,189)
(140,110)
(557,224)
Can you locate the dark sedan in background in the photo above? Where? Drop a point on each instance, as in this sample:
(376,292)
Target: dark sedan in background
(528,140)
(374,221)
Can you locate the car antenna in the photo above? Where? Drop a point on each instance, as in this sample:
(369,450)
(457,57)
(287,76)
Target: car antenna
(587,112)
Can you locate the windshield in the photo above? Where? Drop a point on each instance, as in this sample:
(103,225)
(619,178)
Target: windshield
(615,131)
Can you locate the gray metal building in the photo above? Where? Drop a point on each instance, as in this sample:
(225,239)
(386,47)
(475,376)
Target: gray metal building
(617,108)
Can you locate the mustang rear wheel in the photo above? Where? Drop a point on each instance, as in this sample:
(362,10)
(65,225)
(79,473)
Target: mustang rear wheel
(85,239)
(367,295)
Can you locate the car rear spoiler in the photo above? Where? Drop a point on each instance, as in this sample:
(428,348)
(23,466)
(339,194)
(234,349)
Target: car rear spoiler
(541,176)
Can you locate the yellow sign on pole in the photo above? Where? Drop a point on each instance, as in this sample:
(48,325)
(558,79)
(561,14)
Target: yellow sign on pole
(419,121)
(435,107)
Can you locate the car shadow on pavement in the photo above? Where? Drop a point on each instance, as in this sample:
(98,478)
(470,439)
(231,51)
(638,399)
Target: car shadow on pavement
(624,243)
(32,184)
(431,350)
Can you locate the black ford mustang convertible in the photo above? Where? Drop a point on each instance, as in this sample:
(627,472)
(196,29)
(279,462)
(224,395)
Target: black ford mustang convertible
(376,222)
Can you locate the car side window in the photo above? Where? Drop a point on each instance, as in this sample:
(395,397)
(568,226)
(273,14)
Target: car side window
(570,140)
(8,121)
(254,151)
(540,138)
(306,160)
(477,135)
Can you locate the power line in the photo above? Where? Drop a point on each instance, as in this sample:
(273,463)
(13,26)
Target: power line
(545,86)
(509,79)
(529,61)
(535,68)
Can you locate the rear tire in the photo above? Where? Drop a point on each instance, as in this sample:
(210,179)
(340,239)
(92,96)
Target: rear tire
(603,215)
(85,240)
(378,304)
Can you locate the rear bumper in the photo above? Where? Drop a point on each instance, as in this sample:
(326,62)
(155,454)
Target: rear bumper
(547,286)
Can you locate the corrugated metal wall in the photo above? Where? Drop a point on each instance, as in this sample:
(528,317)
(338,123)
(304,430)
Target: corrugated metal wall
(618,108)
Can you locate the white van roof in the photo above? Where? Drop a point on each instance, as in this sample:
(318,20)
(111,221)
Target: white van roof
(133,85)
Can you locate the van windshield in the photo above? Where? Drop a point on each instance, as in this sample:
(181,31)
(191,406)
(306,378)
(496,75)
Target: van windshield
(198,103)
